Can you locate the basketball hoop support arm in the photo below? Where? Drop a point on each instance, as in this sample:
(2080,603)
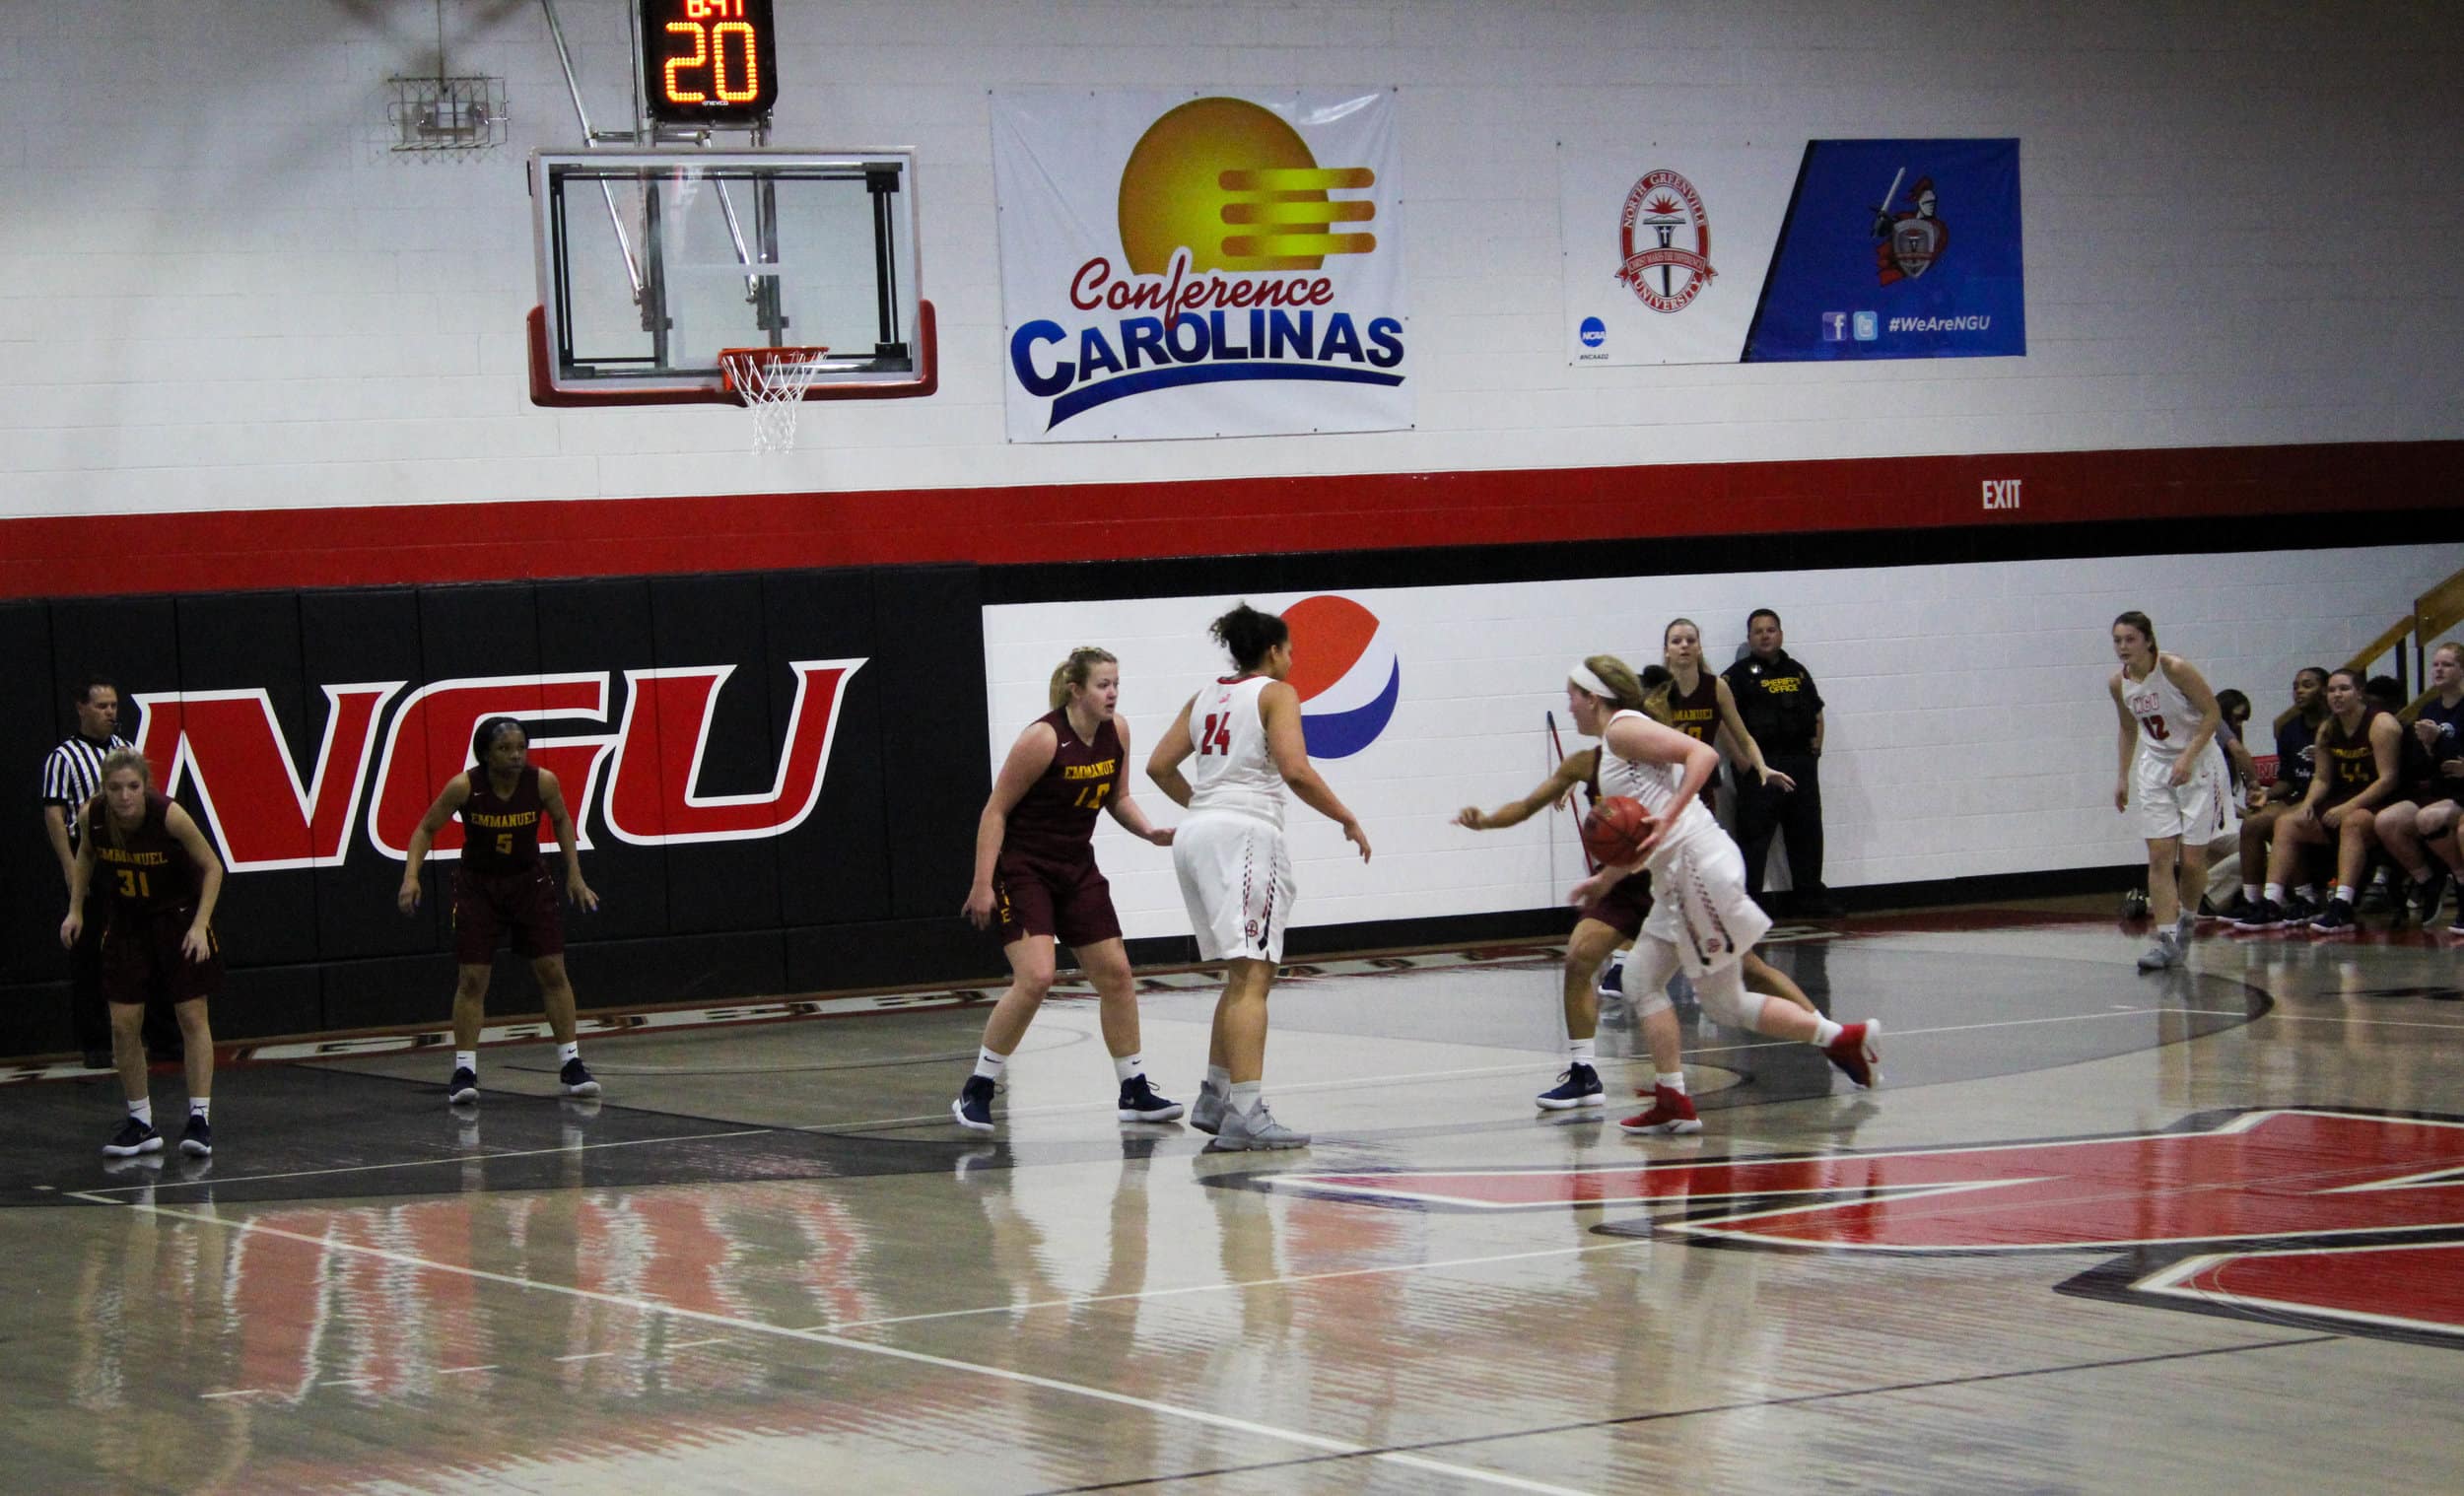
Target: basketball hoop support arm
(572,86)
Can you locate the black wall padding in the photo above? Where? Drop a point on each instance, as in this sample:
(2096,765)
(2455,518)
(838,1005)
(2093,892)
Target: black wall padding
(860,891)
(834,866)
(250,641)
(350,638)
(33,716)
(699,622)
(930,668)
(603,625)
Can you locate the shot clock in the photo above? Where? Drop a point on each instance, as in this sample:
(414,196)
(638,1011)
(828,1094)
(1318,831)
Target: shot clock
(709,61)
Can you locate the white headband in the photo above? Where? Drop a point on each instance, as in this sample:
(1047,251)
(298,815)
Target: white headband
(1582,676)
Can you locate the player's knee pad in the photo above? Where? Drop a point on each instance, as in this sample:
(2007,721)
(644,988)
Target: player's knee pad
(1648,968)
(1725,998)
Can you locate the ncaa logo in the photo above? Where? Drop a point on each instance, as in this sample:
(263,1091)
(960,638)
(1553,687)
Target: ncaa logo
(1345,672)
(1595,332)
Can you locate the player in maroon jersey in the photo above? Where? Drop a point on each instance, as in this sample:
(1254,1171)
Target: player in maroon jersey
(1699,704)
(162,878)
(503,888)
(1036,875)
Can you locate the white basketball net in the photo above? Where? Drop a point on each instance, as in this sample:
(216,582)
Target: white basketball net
(772,387)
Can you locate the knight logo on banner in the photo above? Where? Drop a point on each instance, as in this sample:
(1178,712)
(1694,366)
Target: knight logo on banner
(1200,267)
(1912,237)
(645,774)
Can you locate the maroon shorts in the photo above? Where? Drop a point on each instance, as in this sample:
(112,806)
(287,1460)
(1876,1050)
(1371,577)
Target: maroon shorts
(1624,906)
(1071,901)
(487,907)
(142,958)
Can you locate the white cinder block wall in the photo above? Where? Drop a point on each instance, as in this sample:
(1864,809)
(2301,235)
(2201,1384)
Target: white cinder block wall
(218,291)
(1968,727)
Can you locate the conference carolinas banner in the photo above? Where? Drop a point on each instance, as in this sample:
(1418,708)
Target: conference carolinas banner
(1217,266)
(1838,249)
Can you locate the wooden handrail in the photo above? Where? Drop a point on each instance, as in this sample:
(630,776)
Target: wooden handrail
(2434,612)
(2439,609)
(2394,635)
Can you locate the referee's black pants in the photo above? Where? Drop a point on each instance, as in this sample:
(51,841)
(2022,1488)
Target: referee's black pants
(1796,815)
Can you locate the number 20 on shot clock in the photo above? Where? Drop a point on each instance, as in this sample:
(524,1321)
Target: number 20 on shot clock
(709,61)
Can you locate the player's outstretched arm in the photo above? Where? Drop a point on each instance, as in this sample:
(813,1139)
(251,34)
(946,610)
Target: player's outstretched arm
(2129,742)
(567,841)
(198,943)
(1028,758)
(79,878)
(1571,771)
(450,801)
(2186,678)
(1124,809)
(1278,707)
(1741,739)
(1163,766)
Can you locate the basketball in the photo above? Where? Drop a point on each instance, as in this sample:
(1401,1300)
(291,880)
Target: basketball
(1614,829)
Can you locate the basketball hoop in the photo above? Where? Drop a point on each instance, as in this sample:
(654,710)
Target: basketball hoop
(770,381)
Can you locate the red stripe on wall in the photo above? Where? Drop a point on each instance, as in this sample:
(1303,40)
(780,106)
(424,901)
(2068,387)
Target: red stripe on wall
(623,537)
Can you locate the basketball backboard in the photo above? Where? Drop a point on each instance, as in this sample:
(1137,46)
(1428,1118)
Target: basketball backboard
(650,262)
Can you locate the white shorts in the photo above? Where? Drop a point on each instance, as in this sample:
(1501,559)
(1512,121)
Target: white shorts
(2198,811)
(1236,880)
(1700,904)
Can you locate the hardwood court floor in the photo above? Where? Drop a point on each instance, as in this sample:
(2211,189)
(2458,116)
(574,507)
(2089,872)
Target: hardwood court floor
(2099,1232)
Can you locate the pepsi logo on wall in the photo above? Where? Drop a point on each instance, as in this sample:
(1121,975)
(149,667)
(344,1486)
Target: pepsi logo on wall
(1345,672)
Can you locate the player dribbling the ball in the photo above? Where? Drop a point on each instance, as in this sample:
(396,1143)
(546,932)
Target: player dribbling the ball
(1702,919)
(1614,918)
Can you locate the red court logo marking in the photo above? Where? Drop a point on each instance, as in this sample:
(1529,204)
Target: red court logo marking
(2310,1183)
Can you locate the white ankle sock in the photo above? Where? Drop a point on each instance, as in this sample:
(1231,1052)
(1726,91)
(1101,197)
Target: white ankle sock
(143,1110)
(2250,891)
(989,1064)
(2276,893)
(466,1060)
(201,1107)
(1218,1079)
(1825,1031)
(1128,1066)
(1676,1082)
(566,1054)
(2344,892)
(1246,1095)
(1580,1049)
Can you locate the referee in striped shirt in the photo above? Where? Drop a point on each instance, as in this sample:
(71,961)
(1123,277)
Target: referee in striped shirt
(70,777)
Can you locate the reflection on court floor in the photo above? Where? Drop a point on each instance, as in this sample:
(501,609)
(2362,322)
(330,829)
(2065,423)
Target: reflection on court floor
(767,1262)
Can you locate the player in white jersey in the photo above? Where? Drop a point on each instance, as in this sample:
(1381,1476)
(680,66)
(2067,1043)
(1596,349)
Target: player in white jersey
(1242,737)
(1702,917)
(2172,768)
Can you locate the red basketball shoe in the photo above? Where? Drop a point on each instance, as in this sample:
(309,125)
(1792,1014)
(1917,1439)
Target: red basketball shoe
(1858,1052)
(1672,1113)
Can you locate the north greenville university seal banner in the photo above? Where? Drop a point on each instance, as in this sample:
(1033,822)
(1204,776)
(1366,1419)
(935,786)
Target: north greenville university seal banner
(1214,266)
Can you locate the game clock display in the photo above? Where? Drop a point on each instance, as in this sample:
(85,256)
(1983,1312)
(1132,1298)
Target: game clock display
(709,61)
